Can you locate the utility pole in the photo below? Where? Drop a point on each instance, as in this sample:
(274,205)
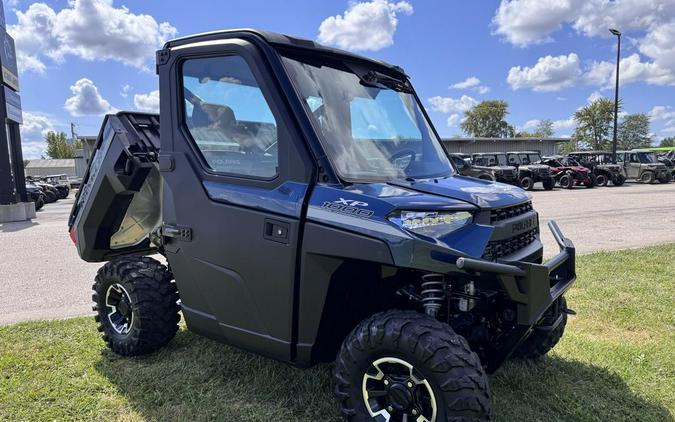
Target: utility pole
(616,92)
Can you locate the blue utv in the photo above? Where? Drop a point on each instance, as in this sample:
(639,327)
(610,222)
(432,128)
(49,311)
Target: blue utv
(305,209)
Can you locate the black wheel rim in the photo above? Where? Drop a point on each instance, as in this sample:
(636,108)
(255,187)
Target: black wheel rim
(118,305)
(394,391)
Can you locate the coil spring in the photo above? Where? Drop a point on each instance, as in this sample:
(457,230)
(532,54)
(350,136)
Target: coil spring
(433,293)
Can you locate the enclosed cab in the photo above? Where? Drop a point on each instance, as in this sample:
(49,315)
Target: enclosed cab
(530,169)
(601,165)
(498,162)
(306,209)
(465,167)
(643,166)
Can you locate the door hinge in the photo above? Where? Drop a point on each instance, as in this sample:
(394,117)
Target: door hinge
(177,232)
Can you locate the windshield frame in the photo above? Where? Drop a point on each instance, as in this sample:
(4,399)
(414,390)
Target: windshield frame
(337,62)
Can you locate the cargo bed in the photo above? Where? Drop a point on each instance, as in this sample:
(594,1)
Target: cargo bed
(118,205)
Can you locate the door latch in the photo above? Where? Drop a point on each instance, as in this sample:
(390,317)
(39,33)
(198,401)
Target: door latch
(276,231)
(177,232)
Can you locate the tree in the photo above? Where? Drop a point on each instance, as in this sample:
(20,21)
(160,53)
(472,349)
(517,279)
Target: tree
(58,146)
(594,123)
(633,132)
(544,129)
(487,119)
(668,142)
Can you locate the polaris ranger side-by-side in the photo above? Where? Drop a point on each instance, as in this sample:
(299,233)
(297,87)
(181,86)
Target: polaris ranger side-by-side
(600,164)
(643,166)
(497,161)
(307,209)
(531,170)
(568,173)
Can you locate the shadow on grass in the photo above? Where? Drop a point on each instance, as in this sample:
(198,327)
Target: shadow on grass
(198,379)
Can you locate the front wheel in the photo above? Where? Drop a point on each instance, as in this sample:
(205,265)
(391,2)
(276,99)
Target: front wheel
(665,179)
(619,180)
(592,181)
(406,366)
(647,177)
(566,181)
(136,305)
(527,183)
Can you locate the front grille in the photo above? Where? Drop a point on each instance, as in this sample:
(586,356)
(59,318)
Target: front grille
(501,248)
(501,214)
(544,171)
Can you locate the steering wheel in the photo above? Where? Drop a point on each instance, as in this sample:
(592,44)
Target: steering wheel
(398,157)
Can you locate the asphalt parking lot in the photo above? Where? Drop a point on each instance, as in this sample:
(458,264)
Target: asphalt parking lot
(41,276)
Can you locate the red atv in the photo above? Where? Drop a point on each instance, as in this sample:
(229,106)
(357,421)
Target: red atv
(569,173)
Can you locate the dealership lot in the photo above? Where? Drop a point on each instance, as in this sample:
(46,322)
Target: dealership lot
(41,275)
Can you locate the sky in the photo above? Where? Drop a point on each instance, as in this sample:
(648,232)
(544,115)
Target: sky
(81,59)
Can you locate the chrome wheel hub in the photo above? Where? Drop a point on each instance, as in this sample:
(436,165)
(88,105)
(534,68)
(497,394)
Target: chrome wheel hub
(393,391)
(118,306)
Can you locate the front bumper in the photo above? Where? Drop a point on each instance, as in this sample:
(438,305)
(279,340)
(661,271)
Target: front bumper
(533,287)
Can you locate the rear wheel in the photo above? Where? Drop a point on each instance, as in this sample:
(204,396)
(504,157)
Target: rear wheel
(136,305)
(591,181)
(549,183)
(527,183)
(665,179)
(39,202)
(566,181)
(543,339)
(406,366)
(601,180)
(619,180)
(647,177)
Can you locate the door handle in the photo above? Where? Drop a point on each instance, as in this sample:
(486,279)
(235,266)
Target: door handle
(276,231)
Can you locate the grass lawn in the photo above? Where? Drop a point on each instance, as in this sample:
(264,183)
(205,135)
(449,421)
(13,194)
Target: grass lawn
(615,362)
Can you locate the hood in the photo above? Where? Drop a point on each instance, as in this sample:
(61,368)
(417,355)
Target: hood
(481,193)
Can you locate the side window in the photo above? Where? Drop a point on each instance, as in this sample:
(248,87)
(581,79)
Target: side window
(633,158)
(229,118)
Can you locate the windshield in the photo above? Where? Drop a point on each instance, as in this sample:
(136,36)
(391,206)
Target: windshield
(647,157)
(490,160)
(373,127)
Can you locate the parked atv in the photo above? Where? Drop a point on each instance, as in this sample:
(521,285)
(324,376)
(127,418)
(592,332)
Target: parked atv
(36,195)
(531,170)
(668,160)
(498,162)
(568,173)
(60,182)
(642,165)
(467,167)
(50,191)
(600,164)
(322,219)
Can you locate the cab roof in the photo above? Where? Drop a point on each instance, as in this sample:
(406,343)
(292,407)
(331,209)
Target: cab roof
(590,152)
(279,40)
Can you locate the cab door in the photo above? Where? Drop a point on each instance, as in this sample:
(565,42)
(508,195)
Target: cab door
(236,175)
(634,165)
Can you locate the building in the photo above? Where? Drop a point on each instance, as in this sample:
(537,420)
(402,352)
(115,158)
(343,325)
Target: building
(82,156)
(545,146)
(51,167)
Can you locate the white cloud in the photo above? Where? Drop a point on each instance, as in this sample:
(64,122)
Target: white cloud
(472,83)
(564,124)
(86,100)
(595,95)
(452,105)
(364,25)
(125,90)
(548,74)
(662,113)
(33,130)
(89,29)
(469,82)
(453,120)
(147,102)
(531,124)
(524,22)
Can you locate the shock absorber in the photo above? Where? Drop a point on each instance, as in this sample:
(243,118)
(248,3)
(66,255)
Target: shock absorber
(433,293)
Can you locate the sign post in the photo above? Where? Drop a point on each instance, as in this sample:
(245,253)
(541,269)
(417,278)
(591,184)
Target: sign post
(14,203)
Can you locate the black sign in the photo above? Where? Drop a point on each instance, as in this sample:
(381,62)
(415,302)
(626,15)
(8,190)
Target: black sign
(8,60)
(13,105)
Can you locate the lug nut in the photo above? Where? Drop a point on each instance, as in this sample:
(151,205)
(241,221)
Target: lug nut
(414,412)
(410,384)
(386,382)
(389,408)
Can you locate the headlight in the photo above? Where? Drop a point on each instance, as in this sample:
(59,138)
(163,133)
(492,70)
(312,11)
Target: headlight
(431,223)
